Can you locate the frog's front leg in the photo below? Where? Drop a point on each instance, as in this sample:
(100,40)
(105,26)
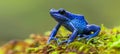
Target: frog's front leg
(53,33)
(91,28)
(73,35)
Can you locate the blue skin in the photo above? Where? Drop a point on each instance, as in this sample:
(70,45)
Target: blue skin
(74,23)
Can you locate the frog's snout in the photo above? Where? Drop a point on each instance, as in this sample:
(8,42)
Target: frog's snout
(52,9)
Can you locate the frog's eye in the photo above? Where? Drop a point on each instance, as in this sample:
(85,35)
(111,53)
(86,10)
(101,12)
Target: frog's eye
(61,11)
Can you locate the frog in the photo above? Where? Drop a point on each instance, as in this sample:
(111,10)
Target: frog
(74,23)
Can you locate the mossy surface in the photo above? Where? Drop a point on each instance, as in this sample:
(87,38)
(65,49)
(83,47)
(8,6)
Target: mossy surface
(107,42)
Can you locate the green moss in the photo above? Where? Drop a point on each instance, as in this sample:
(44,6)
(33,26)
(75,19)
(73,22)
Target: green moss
(107,42)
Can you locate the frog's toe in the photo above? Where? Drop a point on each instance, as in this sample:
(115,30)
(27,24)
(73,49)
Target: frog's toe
(68,42)
(79,39)
(48,42)
(82,38)
(88,38)
(52,39)
(65,41)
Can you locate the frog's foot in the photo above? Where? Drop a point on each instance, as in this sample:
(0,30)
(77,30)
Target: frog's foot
(86,37)
(80,37)
(83,37)
(65,41)
(92,28)
(52,38)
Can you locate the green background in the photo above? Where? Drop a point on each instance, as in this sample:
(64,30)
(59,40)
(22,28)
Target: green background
(20,18)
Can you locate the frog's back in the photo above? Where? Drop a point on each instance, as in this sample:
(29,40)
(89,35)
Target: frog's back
(80,25)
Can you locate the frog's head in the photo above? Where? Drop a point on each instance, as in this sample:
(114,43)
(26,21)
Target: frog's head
(60,15)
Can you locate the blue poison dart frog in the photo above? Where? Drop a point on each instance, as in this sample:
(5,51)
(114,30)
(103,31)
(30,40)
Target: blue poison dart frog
(75,23)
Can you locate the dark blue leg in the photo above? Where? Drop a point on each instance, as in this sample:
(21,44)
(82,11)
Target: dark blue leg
(92,28)
(53,33)
(71,38)
(73,35)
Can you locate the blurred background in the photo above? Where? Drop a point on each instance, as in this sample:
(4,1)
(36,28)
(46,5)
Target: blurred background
(20,18)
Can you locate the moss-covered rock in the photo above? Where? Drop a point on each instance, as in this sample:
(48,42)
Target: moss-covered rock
(107,42)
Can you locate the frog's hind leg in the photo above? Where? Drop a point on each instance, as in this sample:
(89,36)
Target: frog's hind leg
(92,28)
